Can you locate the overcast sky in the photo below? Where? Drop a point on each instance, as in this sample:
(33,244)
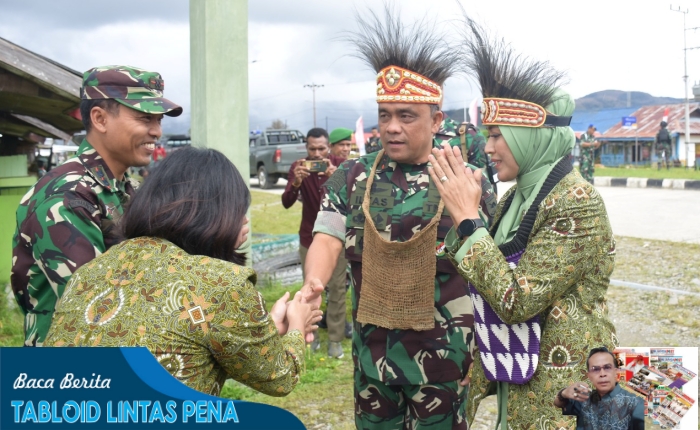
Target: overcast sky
(634,45)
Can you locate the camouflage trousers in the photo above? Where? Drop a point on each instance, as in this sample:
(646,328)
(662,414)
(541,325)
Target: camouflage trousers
(587,167)
(664,154)
(410,407)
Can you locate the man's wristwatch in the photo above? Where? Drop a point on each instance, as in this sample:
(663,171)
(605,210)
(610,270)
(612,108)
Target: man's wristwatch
(468,227)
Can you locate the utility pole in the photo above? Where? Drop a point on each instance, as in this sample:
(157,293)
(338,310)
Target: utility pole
(685,80)
(313,90)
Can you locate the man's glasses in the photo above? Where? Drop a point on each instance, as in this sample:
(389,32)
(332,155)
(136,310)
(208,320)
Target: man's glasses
(597,369)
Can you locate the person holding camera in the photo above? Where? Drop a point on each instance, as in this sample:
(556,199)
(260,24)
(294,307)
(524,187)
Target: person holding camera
(304,183)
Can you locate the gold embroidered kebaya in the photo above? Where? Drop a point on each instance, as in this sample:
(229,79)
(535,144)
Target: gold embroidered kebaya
(519,113)
(398,85)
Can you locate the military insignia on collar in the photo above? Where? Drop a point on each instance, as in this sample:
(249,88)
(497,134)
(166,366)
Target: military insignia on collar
(111,209)
(101,176)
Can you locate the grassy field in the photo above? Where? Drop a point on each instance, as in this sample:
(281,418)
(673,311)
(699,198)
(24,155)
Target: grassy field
(269,216)
(647,172)
(11,331)
(323,398)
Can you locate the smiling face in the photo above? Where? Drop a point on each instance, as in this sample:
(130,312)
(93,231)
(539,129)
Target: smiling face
(406,131)
(126,138)
(502,157)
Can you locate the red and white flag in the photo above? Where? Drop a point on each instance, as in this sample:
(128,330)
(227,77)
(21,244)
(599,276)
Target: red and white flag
(666,112)
(360,136)
(474,112)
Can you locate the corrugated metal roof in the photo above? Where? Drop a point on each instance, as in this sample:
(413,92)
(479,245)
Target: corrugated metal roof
(649,117)
(602,119)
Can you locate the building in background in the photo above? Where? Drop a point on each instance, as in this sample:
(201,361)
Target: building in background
(39,109)
(619,142)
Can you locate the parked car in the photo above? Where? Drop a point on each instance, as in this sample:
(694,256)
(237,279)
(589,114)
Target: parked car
(272,153)
(176,142)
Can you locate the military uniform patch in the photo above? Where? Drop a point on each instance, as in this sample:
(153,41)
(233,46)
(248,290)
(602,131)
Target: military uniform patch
(111,210)
(101,176)
(440,249)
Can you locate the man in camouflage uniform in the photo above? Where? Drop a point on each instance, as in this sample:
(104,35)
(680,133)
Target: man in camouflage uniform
(589,144)
(470,141)
(467,138)
(662,143)
(68,217)
(373,144)
(403,378)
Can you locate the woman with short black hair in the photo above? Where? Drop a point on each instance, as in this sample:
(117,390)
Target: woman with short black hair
(177,285)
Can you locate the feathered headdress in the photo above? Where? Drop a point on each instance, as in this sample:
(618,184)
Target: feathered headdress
(515,88)
(412,62)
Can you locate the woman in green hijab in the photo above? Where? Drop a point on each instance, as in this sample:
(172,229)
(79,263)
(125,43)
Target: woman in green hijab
(538,278)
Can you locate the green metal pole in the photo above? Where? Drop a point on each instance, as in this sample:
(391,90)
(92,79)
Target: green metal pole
(219,79)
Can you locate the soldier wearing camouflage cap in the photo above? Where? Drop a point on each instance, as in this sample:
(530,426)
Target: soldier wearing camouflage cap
(412,313)
(68,217)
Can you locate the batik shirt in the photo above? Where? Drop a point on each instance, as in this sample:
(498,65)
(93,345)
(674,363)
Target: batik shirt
(65,220)
(201,317)
(404,200)
(617,410)
(563,276)
(453,133)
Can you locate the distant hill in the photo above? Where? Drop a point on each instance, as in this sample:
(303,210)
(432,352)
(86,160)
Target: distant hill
(611,99)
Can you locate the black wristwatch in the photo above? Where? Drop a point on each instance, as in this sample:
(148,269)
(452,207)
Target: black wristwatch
(468,227)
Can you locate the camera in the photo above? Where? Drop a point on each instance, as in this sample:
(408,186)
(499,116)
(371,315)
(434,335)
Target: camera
(316,165)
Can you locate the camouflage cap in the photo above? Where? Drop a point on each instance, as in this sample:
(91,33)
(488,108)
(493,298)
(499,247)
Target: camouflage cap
(138,89)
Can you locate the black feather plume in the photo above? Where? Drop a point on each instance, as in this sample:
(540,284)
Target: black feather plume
(420,48)
(502,72)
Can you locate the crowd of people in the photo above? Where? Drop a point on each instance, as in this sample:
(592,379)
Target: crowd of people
(456,295)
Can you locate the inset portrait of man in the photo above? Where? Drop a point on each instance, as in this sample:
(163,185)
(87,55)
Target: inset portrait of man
(607,405)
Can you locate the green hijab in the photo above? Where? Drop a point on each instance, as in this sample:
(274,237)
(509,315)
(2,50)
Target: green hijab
(537,151)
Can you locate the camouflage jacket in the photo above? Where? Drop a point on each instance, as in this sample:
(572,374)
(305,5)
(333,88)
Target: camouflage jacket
(64,221)
(454,133)
(373,145)
(406,200)
(590,151)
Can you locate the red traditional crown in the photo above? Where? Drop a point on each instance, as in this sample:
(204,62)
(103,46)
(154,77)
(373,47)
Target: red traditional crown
(512,112)
(398,85)
(519,113)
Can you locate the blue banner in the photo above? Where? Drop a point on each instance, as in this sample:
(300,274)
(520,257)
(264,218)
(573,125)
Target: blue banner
(114,388)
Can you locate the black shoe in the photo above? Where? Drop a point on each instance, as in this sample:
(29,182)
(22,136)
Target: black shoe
(348,330)
(322,323)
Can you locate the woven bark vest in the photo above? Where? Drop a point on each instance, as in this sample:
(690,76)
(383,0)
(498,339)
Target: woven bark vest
(398,278)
